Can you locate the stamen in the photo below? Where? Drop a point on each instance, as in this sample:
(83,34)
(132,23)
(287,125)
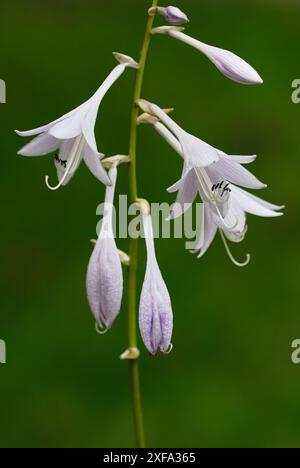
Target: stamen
(101,329)
(74,158)
(229,228)
(61,182)
(238,264)
(169,350)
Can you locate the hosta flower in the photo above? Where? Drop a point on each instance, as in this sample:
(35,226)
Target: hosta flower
(225,205)
(155,312)
(171,14)
(73,134)
(104,275)
(227,63)
(198,177)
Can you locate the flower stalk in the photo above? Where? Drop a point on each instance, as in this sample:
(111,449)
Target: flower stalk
(133,247)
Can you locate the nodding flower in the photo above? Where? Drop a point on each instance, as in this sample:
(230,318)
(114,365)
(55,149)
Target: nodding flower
(73,134)
(155,311)
(104,275)
(225,204)
(229,64)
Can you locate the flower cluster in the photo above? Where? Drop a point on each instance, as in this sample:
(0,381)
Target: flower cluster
(218,178)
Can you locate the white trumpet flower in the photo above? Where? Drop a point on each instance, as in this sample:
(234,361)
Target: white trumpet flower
(74,134)
(155,312)
(229,64)
(225,204)
(104,280)
(196,176)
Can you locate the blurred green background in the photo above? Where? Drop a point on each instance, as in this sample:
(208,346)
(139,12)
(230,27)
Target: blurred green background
(230,381)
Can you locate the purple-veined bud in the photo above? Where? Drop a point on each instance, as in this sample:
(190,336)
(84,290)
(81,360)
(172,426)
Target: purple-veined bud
(104,275)
(171,14)
(155,313)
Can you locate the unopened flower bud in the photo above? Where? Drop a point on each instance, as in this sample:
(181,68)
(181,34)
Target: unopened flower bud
(155,312)
(171,14)
(125,59)
(147,119)
(114,161)
(104,276)
(151,119)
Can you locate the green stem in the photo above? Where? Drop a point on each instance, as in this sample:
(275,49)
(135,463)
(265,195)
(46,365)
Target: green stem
(133,248)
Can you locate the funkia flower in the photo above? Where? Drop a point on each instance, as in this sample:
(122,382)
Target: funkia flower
(172,15)
(225,204)
(203,165)
(104,280)
(73,134)
(155,311)
(229,64)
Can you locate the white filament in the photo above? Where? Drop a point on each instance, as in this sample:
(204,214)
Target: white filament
(238,264)
(73,161)
(101,329)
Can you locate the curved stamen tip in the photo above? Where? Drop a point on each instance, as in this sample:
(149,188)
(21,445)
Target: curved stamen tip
(169,350)
(230,255)
(101,329)
(53,188)
(241,264)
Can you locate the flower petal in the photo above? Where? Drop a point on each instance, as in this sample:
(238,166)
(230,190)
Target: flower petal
(239,159)
(40,146)
(235,216)
(62,159)
(233,172)
(179,184)
(209,233)
(67,128)
(254,205)
(93,161)
(186,196)
(45,128)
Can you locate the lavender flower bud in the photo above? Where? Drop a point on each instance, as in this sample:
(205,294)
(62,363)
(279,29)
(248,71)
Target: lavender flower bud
(104,275)
(171,14)
(155,313)
(175,16)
